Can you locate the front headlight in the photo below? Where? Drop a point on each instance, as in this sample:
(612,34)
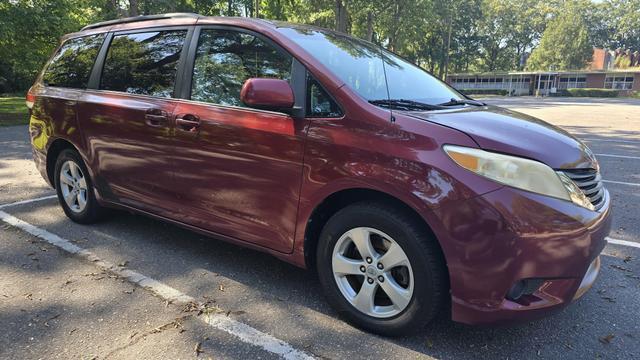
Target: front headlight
(519,173)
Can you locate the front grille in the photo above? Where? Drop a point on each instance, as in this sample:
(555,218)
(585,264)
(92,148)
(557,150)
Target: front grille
(590,182)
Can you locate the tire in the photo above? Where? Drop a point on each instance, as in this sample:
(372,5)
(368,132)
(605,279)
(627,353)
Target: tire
(423,283)
(84,208)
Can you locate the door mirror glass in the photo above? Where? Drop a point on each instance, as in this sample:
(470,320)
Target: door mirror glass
(265,93)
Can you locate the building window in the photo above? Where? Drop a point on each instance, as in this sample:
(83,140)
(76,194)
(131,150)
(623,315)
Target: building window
(572,82)
(618,82)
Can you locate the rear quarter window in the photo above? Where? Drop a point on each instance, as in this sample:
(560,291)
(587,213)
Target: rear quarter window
(71,66)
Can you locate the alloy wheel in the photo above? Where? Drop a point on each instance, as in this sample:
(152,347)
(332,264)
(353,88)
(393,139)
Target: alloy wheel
(73,185)
(372,272)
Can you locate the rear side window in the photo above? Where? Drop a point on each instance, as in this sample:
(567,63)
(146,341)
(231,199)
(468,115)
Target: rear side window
(71,66)
(143,63)
(225,59)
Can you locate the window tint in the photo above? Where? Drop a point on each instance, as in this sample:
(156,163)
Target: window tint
(72,64)
(319,103)
(143,63)
(225,59)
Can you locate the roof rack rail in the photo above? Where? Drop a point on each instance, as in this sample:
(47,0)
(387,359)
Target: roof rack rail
(140,18)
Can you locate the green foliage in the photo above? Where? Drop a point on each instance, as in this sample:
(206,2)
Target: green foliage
(564,44)
(443,37)
(13,111)
(588,92)
(484,92)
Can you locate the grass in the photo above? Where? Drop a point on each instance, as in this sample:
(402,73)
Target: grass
(13,111)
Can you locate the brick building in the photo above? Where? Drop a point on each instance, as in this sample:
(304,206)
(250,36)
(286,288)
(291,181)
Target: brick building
(618,69)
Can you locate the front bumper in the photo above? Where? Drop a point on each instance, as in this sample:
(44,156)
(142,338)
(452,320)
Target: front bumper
(496,240)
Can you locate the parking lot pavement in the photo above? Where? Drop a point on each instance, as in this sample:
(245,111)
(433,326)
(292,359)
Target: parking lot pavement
(268,295)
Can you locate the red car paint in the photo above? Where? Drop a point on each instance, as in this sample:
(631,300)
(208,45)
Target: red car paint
(273,92)
(255,177)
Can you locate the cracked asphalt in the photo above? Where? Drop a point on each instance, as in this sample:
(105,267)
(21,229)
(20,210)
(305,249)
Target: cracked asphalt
(54,305)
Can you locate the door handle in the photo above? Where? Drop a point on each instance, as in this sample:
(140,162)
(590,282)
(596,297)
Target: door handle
(156,117)
(188,123)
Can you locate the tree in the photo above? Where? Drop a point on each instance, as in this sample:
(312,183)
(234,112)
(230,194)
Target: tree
(564,45)
(624,23)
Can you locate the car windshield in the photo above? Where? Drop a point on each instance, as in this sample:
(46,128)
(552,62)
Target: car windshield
(362,66)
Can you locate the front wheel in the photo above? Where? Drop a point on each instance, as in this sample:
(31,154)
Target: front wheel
(381,269)
(75,189)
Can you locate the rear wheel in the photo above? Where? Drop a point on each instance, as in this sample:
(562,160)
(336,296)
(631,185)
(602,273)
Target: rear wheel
(380,269)
(75,188)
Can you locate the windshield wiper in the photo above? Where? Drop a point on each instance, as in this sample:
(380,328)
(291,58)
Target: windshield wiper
(405,104)
(455,102)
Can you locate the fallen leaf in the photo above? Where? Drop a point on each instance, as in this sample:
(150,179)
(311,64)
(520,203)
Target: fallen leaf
(190,306)
(606,339)
(620,268)
(198,348)
(46,322)
(124,263)
(429,343)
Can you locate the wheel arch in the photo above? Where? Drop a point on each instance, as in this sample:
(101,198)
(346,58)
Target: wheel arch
(345,197)
(54,150)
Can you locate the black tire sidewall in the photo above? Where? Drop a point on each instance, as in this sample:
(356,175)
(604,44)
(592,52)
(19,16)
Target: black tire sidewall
(90,213)
(427,294)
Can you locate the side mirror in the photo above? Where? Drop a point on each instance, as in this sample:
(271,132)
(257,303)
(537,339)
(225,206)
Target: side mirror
(265,93)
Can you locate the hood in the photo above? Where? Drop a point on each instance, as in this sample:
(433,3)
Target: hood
(509,132)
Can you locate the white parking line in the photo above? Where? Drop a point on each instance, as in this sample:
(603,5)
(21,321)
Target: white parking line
(27,201)
(620,156)
(611,240)
(620,182)
(614,140)
(216,320)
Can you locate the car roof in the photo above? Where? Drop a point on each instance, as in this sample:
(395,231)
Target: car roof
(171,19)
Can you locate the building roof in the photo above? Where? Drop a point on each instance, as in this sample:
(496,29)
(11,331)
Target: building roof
(523,73)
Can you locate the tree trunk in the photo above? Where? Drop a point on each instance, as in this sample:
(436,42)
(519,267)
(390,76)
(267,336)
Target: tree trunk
(341,17)
(393,38)
(447,49)
(369,26)
(133,7)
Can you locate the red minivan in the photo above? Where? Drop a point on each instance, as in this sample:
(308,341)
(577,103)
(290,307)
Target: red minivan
(406,197)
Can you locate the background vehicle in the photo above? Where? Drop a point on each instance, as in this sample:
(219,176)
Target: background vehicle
(327,152)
